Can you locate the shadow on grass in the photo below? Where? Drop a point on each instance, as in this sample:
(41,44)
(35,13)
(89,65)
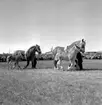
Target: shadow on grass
(91,69)
(46,68)
(85,69)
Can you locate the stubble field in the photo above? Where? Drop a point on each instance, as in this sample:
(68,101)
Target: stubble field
(45,86)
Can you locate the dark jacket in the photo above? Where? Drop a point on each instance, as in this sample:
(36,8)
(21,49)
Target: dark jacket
(79,57)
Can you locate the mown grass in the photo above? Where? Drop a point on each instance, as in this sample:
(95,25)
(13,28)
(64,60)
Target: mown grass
(48,64)
(51,87)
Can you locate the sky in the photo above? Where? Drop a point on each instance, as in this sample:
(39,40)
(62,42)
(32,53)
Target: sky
(49,23)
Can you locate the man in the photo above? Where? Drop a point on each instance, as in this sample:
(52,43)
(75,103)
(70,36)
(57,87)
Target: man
(79,60)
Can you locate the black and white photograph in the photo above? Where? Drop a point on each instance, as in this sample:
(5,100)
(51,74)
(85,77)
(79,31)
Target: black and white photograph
(50,52)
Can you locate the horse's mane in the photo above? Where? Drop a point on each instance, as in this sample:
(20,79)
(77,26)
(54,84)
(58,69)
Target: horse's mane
(19,51)
(54,51)
(70,46)
(58,47)
(33,47)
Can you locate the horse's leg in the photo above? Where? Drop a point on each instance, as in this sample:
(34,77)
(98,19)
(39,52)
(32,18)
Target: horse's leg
(18,65)
(59,65)
(55,64)
(11,65)
(70,65)
(8,64)
(75,65)
(26,64)
(34,62)
(14,66)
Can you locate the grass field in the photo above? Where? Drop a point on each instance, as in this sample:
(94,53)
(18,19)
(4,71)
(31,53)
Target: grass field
(45,86)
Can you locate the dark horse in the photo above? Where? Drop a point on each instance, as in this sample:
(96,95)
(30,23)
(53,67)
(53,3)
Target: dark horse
(31,56)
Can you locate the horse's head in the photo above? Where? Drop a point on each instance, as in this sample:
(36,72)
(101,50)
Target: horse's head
(77,48)
(82,45)
(38,49)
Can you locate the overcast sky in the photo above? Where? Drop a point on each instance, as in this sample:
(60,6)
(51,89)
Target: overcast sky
(24,23)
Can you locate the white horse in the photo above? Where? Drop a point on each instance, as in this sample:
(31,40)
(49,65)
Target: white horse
(72,51)
(69,53)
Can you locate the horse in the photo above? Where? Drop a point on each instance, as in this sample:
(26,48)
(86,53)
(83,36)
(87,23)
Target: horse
(57,50)
(57,53)
(31,56)
(17,56)
(72,51)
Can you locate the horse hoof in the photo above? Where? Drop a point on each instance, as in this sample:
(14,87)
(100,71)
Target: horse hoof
(34,68)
